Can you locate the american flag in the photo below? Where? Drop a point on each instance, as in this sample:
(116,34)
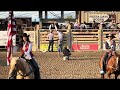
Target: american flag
(11,31)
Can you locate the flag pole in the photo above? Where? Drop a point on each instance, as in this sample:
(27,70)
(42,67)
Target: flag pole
(9,40)
(12,36)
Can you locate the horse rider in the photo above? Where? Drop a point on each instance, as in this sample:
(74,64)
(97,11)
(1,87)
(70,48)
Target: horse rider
(110,47)
(26,53)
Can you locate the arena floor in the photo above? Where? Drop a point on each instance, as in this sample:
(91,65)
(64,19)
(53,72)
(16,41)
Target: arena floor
(82,65)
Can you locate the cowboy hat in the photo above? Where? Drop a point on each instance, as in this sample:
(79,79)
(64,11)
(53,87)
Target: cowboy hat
(24,35)
(110,35)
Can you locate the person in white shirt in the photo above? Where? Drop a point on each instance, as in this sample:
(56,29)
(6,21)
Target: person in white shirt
(53,27)
(76,25)
(50,37)
(83,26)
(60,41)
(26,53)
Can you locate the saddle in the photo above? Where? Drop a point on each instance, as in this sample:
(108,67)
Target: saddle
(29,62)
(34,66)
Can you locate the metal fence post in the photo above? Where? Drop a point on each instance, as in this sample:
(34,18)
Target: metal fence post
(37,36)
(100,38)
(69,39)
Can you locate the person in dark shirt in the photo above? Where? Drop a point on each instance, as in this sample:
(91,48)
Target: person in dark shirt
(50,37)
(53,27)
(94,25)
(66,53)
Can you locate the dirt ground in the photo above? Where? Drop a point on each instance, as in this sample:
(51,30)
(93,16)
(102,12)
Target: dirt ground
(82,65)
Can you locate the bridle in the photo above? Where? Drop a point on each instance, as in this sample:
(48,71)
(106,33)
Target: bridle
(15,70)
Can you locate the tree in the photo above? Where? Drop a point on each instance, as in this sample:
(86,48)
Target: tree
(69,17)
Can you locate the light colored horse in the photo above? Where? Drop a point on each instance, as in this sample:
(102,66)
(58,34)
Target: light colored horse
(21,69)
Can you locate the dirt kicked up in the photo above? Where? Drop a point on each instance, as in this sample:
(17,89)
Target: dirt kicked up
(82,65)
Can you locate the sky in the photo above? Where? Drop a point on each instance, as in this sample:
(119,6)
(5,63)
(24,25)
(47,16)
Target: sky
(35,14)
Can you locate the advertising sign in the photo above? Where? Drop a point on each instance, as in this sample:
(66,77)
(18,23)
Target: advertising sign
(101,17)
(44,47)
(85,47)
(3,38)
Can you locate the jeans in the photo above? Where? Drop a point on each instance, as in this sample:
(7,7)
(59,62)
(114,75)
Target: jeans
(51,43)
(60,47)
(34,64)
(105,60)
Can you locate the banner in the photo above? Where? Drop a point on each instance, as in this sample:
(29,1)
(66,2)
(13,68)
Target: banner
(3,38)
(85,47)
(44,47)
(101,17)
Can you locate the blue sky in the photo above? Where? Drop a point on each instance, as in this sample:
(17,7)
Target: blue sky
(34,14)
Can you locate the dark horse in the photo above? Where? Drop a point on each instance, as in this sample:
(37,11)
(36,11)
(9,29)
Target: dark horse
(112,66)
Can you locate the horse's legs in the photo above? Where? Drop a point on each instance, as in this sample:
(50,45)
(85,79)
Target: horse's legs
(102,76)
(108,74)
(19,77)
(116,75)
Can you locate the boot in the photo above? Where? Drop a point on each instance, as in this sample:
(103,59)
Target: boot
(108,59)
(34,64)
(37,73)
(104,61)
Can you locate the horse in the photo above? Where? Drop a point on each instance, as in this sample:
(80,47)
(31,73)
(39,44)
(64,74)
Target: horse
(112,66)
(20,69)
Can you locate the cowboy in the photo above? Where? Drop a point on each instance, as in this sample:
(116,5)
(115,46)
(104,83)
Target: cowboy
(50,36)
(53,26)
(26,53)
(110,46)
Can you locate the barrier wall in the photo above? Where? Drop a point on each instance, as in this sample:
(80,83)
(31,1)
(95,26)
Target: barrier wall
(84,40)
(44,42)
(79,40)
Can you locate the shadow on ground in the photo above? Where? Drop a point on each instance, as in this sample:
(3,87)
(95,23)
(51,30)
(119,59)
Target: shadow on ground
(80,58)
(3,62)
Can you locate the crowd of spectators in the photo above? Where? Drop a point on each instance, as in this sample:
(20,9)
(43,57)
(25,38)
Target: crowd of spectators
(93,25)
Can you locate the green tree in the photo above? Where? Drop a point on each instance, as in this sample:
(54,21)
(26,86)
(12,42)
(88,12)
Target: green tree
(69,17)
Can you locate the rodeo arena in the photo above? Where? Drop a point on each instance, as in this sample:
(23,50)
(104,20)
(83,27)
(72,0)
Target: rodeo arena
(64,44)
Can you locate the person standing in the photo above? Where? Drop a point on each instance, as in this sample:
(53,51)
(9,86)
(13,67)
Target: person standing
(53,26)
(50,37)
(68,26)
(76,25)
(94,25)
(60,41)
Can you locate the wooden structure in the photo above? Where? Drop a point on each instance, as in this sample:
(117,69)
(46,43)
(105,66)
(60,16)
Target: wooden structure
(87,16)
(83,37)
